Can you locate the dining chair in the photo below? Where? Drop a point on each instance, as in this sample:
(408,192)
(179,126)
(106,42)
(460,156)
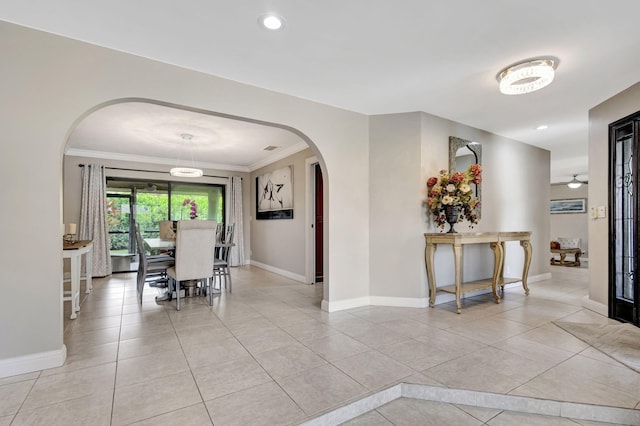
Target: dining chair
(153,273)
(194,254)
(219,232)
(221,270)
(166,229)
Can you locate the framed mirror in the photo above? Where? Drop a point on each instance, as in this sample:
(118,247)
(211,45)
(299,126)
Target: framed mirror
(462,154)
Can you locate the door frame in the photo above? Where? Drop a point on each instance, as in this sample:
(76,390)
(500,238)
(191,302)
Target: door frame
(310,234)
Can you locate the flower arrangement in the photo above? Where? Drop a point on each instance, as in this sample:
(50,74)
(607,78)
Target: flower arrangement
(193,210)
(454,190)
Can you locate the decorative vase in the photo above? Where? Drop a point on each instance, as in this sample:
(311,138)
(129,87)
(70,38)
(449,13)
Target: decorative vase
(451,214)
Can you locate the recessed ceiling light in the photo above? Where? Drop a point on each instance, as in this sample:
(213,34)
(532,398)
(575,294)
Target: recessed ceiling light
(271,21)
(542,127)
(527,76)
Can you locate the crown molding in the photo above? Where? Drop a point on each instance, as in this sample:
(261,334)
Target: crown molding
(149,160)
(279,155)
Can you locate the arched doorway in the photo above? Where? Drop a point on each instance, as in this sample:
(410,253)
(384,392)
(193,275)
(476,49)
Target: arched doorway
(140,138)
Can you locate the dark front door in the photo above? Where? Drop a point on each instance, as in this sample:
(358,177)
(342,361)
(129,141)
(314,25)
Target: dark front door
(624,234)
(318,224)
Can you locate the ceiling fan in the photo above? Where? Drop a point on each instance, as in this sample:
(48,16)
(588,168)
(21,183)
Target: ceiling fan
(575,183)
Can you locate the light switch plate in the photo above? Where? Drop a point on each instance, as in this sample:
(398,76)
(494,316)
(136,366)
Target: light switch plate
(602,211)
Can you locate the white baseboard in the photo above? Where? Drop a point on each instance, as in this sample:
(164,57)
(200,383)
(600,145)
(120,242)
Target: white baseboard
(540,277)
(597,307)
(412,302)
(401,302)
(32,362)
(288,274)
(341,305)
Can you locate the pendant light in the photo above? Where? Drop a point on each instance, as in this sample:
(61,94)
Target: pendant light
(181,171)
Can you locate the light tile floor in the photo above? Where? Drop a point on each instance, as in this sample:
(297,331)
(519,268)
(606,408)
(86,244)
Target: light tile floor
(266,354)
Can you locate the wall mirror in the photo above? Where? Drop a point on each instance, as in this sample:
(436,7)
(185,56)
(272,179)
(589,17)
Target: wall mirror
(462,154)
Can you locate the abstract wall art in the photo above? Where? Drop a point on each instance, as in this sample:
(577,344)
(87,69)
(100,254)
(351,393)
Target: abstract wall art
(274,194)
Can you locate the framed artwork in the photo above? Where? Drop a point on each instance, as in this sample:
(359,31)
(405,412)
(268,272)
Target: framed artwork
(274,194)
(571,205)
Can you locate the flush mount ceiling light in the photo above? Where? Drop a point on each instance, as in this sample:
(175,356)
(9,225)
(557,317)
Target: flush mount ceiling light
(271,21)
(180,171)
(527,76)
(575,183)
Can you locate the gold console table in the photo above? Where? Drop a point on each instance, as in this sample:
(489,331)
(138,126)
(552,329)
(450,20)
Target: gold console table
(496,241)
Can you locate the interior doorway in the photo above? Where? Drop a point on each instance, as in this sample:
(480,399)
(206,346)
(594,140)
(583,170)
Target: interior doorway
(315,236)
(318,224)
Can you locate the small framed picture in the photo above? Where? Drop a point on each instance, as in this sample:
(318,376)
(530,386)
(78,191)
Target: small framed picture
(571,205)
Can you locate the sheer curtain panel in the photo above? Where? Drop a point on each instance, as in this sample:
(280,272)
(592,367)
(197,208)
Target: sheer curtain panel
(236,256)
(93,217)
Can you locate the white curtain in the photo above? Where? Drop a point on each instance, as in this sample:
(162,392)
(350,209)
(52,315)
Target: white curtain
(236,256)
(93,217)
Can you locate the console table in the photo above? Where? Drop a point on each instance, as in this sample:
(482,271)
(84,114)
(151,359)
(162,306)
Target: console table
(74,251)
(496,241)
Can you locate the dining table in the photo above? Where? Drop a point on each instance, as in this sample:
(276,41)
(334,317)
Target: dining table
(160,243)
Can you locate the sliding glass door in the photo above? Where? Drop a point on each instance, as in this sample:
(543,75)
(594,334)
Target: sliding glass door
(147,203)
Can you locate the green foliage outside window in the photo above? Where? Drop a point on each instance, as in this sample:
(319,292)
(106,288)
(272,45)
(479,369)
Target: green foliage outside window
(152,207)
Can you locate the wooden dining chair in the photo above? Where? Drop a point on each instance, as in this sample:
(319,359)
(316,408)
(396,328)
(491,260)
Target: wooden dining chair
(194,254)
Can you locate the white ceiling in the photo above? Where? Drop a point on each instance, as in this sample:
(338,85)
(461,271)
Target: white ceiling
(151,133)
(379,56)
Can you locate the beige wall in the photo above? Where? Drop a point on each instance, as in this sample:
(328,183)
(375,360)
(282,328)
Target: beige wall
(625,103)
(570,225)
(51,83)
(405,150)
(280,244)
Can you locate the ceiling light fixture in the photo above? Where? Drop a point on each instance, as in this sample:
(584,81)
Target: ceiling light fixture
(575,183)
(271,21)
(542,127)
(527,76)
(179,171)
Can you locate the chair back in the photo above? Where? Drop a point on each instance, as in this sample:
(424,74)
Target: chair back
(224,247)
(219,232)
(195,242)
(166,229)
(228,235)
(142,254)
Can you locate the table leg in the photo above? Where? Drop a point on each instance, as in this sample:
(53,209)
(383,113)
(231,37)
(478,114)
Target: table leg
(88,260)
(498,264)
(75,286)
(526,245)
(429,253)
(457,254)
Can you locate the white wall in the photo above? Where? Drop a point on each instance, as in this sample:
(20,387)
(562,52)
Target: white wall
(570,225)
(280,244)
(408,148)
(397,243)
(623,104)
(50,83)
